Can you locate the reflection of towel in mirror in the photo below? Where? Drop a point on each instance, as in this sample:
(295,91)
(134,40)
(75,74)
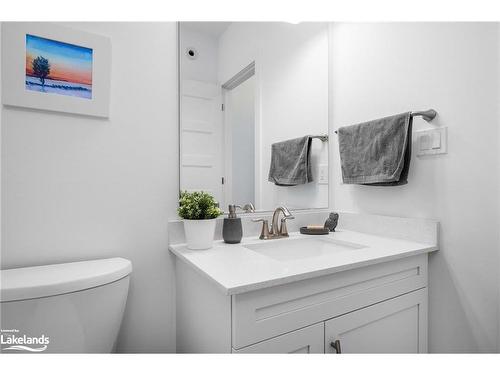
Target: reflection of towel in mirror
(290,164)
(377,152)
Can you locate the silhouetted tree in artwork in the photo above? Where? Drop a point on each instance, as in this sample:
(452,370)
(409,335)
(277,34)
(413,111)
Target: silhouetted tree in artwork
(41,68)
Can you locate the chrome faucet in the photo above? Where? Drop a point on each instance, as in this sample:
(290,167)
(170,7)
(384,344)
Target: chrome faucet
(275,232)
(282,230)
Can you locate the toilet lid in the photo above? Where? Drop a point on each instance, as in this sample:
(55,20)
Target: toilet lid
(45,281)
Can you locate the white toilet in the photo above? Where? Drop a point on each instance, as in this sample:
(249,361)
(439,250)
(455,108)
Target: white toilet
(63,308)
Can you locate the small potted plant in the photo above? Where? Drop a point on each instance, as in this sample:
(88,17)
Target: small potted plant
(199,211)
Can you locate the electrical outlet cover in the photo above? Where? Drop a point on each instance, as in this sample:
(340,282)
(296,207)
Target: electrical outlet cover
(323,174)
(432,141)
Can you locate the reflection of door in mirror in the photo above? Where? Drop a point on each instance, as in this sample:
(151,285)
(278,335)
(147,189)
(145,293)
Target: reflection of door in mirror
(201,126)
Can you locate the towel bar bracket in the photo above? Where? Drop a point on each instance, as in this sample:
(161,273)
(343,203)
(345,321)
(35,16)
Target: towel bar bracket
(426,115)
(323,138)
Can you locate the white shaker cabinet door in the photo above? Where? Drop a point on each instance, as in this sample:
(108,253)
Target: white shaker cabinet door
(398,325)
(306,340)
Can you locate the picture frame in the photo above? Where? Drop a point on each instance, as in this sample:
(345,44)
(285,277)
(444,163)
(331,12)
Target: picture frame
(50,67)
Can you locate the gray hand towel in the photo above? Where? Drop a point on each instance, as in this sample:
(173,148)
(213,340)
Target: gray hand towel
(290,163)
(377,152)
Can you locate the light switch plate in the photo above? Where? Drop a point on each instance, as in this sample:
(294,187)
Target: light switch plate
(323,174)
(432,141)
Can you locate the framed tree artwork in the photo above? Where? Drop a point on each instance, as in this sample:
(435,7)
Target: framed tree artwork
(51,67)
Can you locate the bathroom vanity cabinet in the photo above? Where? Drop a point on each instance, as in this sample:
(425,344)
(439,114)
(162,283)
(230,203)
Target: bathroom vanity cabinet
(377,308)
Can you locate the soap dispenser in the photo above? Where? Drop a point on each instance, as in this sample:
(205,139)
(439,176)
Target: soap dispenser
(232,230)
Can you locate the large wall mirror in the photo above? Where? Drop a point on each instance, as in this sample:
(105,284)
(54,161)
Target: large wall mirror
(245,86)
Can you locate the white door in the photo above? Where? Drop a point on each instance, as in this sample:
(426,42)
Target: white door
(394,326)
(202,138)
(306,340)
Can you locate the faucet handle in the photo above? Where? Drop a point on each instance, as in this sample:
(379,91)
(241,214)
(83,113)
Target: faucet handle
(283,228)
(264,233)
(248,208)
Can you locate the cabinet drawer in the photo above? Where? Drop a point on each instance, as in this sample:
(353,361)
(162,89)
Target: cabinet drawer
(306,340)
(266,313)
(398,325)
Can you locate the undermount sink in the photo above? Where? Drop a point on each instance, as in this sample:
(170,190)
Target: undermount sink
(300,248)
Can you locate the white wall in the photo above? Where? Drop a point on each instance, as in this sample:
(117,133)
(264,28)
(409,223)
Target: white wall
(292,93)
(204,68)
(76,188)
(379,69)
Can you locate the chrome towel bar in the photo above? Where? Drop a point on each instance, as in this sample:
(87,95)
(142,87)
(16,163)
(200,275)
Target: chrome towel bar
(426,115)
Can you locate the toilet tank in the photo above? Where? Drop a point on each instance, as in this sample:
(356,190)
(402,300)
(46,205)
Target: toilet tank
(63,308)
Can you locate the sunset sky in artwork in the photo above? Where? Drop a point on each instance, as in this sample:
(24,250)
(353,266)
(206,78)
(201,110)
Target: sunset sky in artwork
(68,62)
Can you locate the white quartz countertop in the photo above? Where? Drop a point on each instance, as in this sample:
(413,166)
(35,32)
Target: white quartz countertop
(237,269)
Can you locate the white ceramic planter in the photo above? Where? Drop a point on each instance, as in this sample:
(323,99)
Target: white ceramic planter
(199,233)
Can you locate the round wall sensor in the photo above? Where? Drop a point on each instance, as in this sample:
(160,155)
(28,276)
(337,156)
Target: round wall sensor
(191,53)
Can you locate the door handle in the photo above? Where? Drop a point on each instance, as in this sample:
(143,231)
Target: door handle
(336,345)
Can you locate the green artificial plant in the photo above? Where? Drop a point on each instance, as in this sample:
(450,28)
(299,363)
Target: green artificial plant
(198,205)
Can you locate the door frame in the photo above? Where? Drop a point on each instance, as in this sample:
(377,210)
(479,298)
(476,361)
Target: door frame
(249,71)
